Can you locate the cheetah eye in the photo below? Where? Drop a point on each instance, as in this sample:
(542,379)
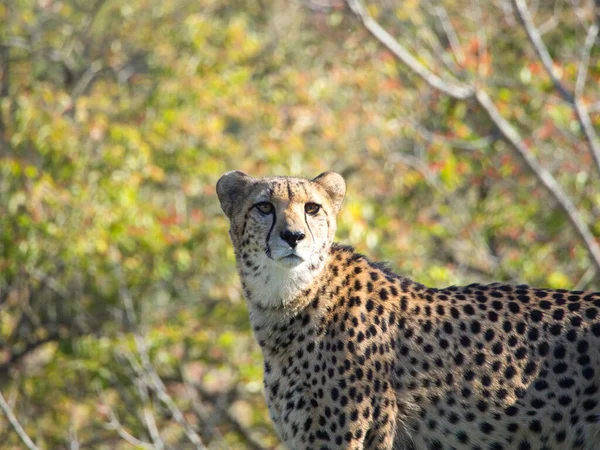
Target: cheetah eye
(312,209)
(264,208)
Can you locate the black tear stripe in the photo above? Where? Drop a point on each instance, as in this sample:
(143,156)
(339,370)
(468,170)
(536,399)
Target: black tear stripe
(245,223)
(308,226)
(326,220)
(268,249)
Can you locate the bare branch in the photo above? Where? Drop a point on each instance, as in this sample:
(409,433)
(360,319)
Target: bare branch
(155,382)
(84,83)
(148,373)
(115,425)
(540,48)
(548,181)
(16,425)
(477,16)
(455,90)
(251,442)
(13,358)
(580,109)
(148,416)
(573,99)
(450,32)
(507,131)
(585,60)
(589,132)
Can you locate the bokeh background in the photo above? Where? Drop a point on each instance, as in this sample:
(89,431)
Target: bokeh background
(122,323)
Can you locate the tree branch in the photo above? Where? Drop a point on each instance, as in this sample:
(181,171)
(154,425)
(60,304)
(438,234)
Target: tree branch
(13,358)
(235,424)
(511,136)
(580,109)
(507,131)
(16,425)
(147,372)
(574,99)
(455,90)
(540,48)
(115,425)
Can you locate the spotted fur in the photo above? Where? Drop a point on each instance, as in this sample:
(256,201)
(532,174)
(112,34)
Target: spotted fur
(358,357)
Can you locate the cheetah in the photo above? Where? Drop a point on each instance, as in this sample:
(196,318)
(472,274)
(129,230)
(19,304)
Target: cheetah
(358,357)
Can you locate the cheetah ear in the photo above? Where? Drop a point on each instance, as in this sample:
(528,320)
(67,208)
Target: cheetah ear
(230,188)
(335,186)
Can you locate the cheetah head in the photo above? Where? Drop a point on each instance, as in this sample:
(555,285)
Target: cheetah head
(281,229)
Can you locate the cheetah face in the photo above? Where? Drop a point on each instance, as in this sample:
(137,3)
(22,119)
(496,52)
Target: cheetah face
(280,226)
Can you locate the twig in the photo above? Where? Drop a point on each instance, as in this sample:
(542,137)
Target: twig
(29,347)
(148,374)
(16,425)
(115,425)
(158,386)
(149,417)
(540,48)
(143,387)
(450,32)
(481,38)
(511,136)
(580,109)
(574,99)
(455,90)
(507,131)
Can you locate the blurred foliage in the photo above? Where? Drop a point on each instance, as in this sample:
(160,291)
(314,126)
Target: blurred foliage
(116,120)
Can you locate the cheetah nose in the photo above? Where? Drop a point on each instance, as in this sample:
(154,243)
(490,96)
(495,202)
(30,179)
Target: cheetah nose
(292,237)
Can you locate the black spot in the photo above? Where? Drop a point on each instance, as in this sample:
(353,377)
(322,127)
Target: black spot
(530,368)
(535,426)
(512,427)
(538,403)
(480,358)
(536,315)
(556,329)
(560,368)
(486,428)
(322,435)
(509,372)
(462,437)
(543,349)
(524,445)
(514,307)
(560,352)
(468,309)
(533,334)
(589,404)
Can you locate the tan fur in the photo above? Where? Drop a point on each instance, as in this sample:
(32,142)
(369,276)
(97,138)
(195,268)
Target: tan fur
(357,357)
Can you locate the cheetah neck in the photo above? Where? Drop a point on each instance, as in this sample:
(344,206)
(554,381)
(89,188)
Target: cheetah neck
(276,295)
(279,290)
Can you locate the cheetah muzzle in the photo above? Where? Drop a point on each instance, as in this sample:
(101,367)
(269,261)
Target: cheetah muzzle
(358,357)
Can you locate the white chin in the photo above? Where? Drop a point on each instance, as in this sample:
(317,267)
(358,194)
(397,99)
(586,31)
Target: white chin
(290,261)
